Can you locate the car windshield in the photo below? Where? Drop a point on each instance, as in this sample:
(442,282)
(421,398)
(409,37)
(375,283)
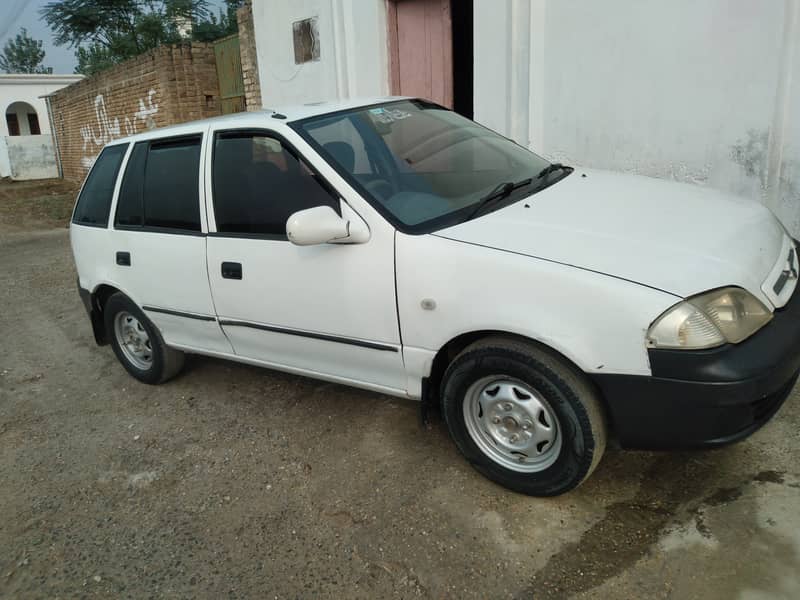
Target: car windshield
(423,166)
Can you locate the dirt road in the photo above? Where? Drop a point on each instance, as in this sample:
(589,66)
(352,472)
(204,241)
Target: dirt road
(236,482)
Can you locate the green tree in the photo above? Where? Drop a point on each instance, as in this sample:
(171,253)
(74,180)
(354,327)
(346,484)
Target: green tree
(107,32)
(93,58)
(217,26)
(23,54)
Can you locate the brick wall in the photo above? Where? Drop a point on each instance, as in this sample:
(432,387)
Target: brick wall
(165,86)
(247,49)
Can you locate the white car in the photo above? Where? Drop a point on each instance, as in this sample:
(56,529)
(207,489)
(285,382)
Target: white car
(396,246)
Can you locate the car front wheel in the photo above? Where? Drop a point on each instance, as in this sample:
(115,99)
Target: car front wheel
(523,416)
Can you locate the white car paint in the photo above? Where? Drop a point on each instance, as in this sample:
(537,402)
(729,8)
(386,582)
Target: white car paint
(584,267)
(678,238)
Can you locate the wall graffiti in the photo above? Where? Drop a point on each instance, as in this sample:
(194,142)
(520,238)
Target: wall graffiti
(97,134)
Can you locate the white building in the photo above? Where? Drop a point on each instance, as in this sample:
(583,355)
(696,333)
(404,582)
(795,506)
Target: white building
(701,92)
(26,146)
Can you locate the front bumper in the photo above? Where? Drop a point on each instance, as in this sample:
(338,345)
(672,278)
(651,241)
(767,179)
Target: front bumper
(706,398)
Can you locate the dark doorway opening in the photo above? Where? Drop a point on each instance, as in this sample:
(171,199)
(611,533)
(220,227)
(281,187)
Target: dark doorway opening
(13,123)
(33,124)
(462,19)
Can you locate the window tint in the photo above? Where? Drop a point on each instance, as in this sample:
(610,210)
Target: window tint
(341,139)
(95,200)
(171,183)
(430,167)
(258,183)
(130,210)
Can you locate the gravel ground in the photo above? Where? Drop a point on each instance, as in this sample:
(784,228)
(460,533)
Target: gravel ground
(237,482)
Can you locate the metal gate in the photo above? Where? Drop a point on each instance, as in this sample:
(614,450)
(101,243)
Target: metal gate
(229,73)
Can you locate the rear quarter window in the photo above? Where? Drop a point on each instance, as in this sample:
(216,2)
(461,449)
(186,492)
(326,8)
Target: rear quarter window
(130,209)
(94,202)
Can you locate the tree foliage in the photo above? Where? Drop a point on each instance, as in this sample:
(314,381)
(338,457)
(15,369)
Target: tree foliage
(23,54)
(220,25)
(107,32)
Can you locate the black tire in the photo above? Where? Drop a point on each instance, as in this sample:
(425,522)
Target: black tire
(166,362)
(572,399)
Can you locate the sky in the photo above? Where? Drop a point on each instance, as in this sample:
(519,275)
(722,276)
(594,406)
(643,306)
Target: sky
(15,14)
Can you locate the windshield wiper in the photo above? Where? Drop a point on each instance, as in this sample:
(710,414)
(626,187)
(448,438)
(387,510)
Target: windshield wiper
(498,193)
(551,168)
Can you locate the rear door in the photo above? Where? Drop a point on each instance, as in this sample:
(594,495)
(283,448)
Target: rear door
(328,309)
(160,245)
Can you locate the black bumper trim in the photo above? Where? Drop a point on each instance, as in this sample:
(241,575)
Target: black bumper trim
(95,315)
(656,414)
(708,397)
(310,334)
(179,313)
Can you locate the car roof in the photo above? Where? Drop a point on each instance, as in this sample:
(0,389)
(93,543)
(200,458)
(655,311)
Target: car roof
(288,114)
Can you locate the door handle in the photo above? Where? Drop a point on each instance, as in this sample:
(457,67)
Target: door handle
(124,259)
(231,270)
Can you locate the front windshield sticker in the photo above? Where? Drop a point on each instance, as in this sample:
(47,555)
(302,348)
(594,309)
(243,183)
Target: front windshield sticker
(389,115)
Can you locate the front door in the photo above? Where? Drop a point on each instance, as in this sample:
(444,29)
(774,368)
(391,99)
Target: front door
(421,49)
(328,309)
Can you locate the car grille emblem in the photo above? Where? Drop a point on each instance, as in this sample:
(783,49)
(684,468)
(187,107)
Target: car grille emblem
(792,270)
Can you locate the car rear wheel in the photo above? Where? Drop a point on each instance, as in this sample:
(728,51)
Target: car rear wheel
(138,343)
(523,416)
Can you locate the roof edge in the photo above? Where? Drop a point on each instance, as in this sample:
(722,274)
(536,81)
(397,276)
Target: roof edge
(21,78)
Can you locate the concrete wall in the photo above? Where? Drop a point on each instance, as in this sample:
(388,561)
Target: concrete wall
(28,157)
(5,166)
(353,52)
(30,89)
(700,92)
(783,159)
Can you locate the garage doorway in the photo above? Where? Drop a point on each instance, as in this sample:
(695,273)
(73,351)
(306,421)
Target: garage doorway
(430,51)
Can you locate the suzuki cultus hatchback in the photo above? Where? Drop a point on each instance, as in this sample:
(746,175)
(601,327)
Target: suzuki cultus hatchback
(396,246)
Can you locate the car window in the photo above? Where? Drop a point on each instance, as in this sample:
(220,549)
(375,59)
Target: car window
(430,167)
(258,183)
(342,140)
(94,202)
(130,210)
(160,188)
(171,185)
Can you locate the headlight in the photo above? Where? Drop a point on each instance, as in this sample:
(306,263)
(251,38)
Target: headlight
(711,319)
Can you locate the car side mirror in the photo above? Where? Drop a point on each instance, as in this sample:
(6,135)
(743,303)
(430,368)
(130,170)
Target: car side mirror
(321,225)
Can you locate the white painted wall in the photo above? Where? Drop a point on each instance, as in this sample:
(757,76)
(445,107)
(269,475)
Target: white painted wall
(31,156)
(30,88)
(5,165)
(28,156)
(700,92)
(353,52)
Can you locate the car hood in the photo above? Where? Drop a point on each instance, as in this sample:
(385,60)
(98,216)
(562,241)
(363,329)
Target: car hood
(681,239)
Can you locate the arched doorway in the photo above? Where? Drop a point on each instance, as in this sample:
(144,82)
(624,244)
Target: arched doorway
(22,119)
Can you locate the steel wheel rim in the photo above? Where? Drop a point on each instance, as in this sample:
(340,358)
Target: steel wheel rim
(133,340)
(512,424)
